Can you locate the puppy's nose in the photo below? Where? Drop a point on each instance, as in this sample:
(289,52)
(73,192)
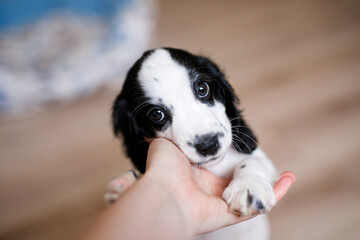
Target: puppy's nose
(207,144)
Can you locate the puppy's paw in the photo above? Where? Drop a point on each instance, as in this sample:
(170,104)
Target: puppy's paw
(120,184)
(246,197)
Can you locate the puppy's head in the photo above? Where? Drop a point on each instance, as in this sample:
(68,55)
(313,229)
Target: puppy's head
(185,98)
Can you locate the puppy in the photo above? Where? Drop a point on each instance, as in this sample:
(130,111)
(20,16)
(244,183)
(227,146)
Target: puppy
(185,98)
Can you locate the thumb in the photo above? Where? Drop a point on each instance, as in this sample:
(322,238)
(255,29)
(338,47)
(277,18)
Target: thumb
(286,179)
(163,153)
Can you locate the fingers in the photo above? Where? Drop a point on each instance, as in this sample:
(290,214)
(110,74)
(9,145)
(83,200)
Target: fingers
(286,179)
(288,174)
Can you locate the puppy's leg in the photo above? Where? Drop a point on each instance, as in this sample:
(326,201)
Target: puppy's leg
(251,189)
(120,184)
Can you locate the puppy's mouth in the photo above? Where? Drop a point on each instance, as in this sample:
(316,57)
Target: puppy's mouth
(208,163)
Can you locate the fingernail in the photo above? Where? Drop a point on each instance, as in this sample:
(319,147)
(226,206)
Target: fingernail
(289,180)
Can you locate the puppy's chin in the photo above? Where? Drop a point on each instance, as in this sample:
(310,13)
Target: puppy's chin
(211,162)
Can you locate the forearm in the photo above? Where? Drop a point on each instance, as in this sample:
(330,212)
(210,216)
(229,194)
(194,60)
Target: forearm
(146,211)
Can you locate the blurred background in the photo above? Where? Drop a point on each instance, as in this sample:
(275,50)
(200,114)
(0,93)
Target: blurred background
(294,64)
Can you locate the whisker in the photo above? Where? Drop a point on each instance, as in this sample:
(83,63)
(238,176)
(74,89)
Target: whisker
(253,140)
(134,112)
(139,107)
(238,138)
(239,126)
(235,118)
(236,146)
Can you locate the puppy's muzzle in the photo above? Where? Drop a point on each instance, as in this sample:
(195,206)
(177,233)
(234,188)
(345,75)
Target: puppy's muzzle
(207,145)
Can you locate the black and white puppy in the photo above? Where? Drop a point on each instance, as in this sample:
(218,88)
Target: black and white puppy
(185,98)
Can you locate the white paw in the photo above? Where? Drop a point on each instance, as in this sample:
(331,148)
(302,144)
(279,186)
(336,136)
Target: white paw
(249,196)
(119,185)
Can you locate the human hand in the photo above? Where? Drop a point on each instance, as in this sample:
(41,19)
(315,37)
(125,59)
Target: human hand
(196,191)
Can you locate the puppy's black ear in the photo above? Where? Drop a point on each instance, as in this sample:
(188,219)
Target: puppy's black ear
(243,138)
(124,124)
(120,115)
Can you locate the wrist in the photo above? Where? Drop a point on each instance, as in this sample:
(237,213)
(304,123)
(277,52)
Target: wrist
(162,196)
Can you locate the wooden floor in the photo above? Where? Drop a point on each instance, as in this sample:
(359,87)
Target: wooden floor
(296,67)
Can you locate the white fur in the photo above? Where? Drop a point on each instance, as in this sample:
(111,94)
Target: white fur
(167,82)
(253,176)
(173,87)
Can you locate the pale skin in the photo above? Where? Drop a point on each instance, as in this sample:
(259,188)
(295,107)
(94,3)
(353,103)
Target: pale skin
(173,200)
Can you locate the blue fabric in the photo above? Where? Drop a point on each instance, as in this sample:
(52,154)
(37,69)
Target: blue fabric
(19,12)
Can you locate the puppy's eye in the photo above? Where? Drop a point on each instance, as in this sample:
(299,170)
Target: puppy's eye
(203,90)
(157,115)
